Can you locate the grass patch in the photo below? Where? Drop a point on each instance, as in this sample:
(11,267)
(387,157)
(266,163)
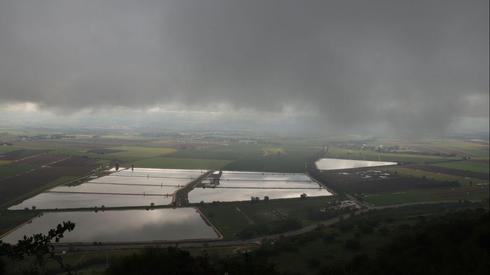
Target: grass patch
(292,161)
(459,146)
(471,166)
(232,218)
(39,189)
(69,151)
(12,219)
(6,149)
(130,153)
(429,195)
(4,162)
(432,175)
(229,152)
(181,163)
(62,180)
(13,169)
(270,151)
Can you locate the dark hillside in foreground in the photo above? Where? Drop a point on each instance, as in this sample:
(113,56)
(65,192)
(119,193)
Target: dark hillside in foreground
(454,243)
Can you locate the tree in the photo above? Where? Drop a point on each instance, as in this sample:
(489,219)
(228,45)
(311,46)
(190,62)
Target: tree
(172,260)
(38,246)
(352,244)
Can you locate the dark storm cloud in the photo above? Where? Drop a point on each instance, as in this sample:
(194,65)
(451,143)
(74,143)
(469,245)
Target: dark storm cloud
(402,64)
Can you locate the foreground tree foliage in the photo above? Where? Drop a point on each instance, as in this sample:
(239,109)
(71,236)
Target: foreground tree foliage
(172,260)
(39,246)
(275,227)
(452,244)
(456,243)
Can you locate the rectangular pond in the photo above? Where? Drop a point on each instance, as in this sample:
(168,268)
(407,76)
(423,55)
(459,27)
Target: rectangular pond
(340,164)
(264,176)
(140,187)
(116,188)
(75,200)
(223,194)
(241,186)
(266,180)
(186,174)
(122,226)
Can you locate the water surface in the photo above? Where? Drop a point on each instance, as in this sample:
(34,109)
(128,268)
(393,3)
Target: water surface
(221,194)
(339,164)
(75,200)
(121,188)
(122,226)
(241,186)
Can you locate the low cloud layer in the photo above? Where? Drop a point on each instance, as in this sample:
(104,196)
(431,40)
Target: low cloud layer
(418,65)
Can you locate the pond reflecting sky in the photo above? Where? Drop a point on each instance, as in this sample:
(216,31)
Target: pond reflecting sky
(222,194)
(75,200)
(338,164)
(122,188)
(135,188)
(124,225)
(241,186)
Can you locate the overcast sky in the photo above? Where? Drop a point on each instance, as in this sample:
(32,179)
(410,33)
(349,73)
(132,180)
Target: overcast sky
(417,66)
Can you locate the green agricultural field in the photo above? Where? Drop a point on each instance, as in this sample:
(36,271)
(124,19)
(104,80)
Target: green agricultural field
(6,149)
(231,218)
(38,189)
(229,152)
(471,166)
(131,153)
(291,161)
(270,151)
(460,147)
(12,169)
(433,175)
(24,185)
(429,195)
(11,219)
(52,144)
(70,151)
(181,163)
(4,162)
(253,157)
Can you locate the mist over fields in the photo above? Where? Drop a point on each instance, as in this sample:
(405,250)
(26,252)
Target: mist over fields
(394,67)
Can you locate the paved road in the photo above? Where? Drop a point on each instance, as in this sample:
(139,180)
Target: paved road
(417,203)
(181,196)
